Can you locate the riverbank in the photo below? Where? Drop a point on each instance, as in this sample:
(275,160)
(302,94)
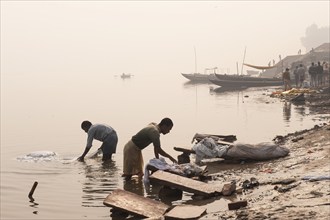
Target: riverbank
(293,187)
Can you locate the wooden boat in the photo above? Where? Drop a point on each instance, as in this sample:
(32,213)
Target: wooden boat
(201,77)
(198,77)
(124,75)
(243,81)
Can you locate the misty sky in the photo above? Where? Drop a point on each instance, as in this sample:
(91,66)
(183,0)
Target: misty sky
(87,37)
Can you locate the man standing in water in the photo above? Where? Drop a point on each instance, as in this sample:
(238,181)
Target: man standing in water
(286,79)
(103,133)
(133,160)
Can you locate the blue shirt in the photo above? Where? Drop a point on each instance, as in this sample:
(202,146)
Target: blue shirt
(98,132)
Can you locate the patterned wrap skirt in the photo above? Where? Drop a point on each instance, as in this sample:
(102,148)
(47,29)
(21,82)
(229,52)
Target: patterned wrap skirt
(133,160)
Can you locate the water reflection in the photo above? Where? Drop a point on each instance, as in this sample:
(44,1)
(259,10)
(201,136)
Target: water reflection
(300,108)
(135,185)
(34,205)
(191,84)
(220,90)
(101,180)
(287,111)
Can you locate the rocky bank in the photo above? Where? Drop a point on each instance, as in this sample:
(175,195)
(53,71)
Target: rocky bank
(294,187)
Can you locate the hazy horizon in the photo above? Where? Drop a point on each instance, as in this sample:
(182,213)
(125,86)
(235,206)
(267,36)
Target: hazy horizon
(112,37)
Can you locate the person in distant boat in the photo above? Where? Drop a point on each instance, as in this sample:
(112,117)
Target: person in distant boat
(286,79)
(103,133)
(133,160)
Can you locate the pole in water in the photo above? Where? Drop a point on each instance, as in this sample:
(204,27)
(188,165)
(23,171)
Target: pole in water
(32,189)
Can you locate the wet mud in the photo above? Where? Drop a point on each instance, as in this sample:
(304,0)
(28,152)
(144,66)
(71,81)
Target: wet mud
(293,187)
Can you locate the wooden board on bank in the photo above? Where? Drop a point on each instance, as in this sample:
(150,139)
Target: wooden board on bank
(184,183)
(135,204)
(184,150)
(191,151)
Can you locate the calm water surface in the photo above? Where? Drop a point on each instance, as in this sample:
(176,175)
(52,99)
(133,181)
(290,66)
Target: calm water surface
(43,113)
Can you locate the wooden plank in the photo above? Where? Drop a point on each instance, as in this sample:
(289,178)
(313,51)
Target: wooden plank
(184,150)
(185,212)
(191,151)
(229,138)
(237,205)
(135,204)
(184,183)
(224,143)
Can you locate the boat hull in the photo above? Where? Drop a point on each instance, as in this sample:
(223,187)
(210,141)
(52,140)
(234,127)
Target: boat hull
(235,81)
(198,77)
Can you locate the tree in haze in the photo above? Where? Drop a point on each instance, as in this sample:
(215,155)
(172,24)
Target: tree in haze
(315,36)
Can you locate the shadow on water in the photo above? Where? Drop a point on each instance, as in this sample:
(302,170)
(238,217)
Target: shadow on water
(300,108)
(192,84)
(220,90)
(135,185)
(101,180)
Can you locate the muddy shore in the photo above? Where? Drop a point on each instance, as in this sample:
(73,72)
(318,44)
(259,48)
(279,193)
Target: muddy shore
(294,187)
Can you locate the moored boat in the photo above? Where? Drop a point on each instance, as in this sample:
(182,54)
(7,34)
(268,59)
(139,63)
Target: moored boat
(241,81)
(124,75)
(198,77)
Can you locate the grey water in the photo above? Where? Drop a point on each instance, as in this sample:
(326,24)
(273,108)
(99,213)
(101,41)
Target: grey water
(43,113)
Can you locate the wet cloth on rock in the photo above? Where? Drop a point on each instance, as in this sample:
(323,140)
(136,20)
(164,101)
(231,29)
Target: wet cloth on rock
(208,148)
(261,151)
(186,169)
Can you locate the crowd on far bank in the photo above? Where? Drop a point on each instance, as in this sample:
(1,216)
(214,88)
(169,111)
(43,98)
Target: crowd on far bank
(314,76)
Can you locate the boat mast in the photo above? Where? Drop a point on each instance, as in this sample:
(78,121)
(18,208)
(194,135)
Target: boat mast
(237,68)
(243,61)
(195,60)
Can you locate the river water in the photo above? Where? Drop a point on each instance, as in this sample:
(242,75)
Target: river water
(43,113)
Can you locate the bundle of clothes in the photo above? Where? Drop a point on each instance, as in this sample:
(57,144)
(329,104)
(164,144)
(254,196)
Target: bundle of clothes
(208,148)
(187,169)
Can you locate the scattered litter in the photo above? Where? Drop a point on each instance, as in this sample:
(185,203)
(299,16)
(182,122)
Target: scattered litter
(249,184)
(237,205)
(286,188)
(187,169)
(284,181)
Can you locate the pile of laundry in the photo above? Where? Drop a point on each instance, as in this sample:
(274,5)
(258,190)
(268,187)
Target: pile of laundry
(187,169)
(208,148)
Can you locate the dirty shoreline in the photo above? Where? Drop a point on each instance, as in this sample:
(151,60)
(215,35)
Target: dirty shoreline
(294,187)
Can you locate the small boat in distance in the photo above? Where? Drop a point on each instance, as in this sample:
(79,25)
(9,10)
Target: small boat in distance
(124,76)
(243,81)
